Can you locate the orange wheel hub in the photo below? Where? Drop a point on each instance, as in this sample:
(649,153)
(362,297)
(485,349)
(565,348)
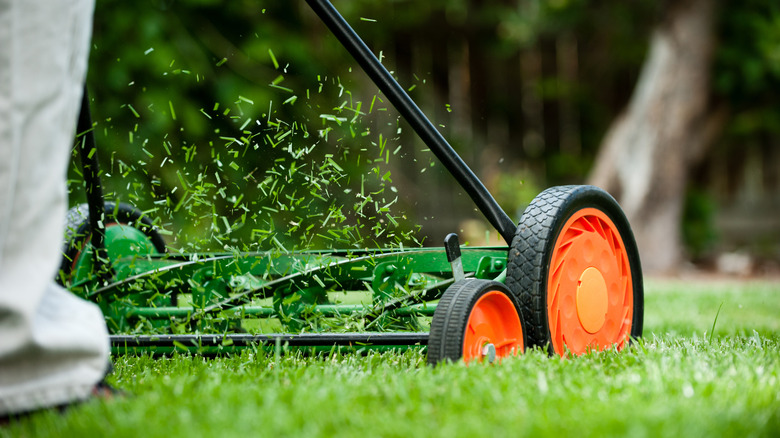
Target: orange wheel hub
(590,292)
(493,326)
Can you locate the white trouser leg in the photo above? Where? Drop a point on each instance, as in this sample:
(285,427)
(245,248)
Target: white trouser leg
(53,345)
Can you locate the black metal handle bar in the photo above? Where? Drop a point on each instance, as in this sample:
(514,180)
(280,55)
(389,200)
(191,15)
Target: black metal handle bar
(415,117)
(95,200)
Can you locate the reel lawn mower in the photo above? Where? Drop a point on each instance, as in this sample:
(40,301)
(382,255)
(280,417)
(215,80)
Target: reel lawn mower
(569,282)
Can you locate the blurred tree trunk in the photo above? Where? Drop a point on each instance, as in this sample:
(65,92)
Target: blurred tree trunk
(669,124)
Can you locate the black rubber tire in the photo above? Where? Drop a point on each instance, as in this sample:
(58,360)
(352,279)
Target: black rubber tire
(532,248)
(449,323)
(78,230)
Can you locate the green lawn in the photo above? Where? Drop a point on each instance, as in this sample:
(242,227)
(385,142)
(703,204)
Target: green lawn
(679,381)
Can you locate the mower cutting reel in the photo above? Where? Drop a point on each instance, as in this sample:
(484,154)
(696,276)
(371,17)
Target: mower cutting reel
(570,283)
(125,231)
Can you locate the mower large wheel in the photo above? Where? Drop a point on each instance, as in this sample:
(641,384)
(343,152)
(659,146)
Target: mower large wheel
(574,267)
(78,232)
(475,320)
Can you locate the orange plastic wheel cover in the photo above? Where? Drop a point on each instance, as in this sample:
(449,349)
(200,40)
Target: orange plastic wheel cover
(589,287)
(493,320)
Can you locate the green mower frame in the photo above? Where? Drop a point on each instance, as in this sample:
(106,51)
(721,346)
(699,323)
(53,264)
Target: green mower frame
(570,280)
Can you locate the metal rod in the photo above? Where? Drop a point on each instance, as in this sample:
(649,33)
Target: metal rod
(326,310)
(94,190)
(415,117)
(306,339)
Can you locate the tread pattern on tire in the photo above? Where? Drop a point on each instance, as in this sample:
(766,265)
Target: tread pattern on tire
(448,326)
(530,252)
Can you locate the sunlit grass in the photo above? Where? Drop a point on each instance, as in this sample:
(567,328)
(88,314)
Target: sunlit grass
(684,307)
(677,381)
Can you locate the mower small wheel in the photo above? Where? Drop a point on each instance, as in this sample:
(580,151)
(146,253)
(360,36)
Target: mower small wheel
(574,267)
(475,320)
(78,231)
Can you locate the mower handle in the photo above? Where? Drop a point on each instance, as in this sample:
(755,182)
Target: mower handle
(415,117)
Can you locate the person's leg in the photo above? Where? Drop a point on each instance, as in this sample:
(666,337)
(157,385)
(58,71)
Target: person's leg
(53,346)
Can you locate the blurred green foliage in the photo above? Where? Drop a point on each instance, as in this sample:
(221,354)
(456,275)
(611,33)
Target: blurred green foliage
(699,231)
(747,68)
(245,125)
